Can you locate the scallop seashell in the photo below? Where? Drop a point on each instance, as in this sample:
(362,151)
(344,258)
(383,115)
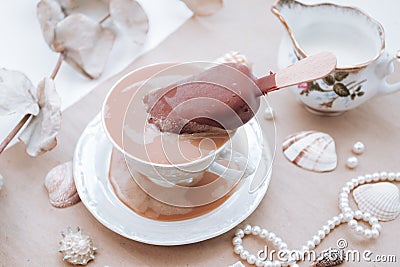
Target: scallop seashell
(382,200)
(311,150)
(77,248)
(60,185)
(330,257)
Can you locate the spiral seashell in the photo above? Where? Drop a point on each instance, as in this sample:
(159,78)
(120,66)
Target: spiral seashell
(330,257)
(233,57)
(77,248)
(311,150)
(382,200)
(60,185)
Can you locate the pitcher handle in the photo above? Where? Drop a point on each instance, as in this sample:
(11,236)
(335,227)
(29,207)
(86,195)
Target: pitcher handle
(388,88)
(244,166)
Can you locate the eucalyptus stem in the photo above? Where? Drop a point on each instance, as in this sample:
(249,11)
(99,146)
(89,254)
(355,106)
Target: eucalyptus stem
(13,132)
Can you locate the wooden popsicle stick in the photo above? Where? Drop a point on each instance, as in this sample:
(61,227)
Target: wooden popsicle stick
(311,68)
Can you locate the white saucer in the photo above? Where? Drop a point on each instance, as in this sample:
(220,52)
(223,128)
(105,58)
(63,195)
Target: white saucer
(91,166)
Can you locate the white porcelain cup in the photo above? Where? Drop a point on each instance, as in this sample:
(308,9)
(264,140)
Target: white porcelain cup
(236,164)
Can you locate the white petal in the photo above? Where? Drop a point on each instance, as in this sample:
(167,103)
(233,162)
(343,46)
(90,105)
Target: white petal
(204,7)
(85,43)
(16,94)
(40,134)
(49,13)
(130,17)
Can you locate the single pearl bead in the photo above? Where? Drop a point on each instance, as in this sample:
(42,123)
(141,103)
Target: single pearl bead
(348,216)
(271,236)
(336,220)
(263,233)
(366,216)
(375,177)
(373,220)
(341,217)
(398,176)
(384,176)
(310,244)
(236,241)
(345,189)
(377,227)
(354,181)
(316,240)
(368,233)
(238,249)
(283,246)
(251,259)
(352,224)
(375,233)
(256,230)
(343,206)
(331,224)
(350,184)
(361,179)
(368,178)
(358,148)
(352,162)
(326,229)
(239,233)
(259,263)
(359,229)
(277,264)
(358,214)
(268,264)
(277,241)
(321,234)
(269,113)
(347,210)
(391,176)
(304,249)
(343,195)
(247,229)
(344,200)
(244,254)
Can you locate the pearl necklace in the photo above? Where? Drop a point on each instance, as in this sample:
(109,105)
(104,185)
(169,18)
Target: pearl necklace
(347,215)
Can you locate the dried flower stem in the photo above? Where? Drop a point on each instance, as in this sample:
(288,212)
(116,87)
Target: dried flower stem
(14,131)
(104,19)
(57,67)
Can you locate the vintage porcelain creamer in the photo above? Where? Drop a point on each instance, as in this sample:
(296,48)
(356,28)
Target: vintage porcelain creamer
(357,40)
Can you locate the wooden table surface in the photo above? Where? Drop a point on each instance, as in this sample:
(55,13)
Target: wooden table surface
(297,203)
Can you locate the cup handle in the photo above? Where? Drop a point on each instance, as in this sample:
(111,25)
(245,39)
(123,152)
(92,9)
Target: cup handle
(388,88)
(244,166)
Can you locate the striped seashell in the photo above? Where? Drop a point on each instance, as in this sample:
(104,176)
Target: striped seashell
(382,200)
(60,185)
(311,150)
(233,57)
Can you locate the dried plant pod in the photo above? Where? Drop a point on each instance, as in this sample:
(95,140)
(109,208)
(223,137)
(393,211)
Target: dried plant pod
(203,7)
(40,134)
(85,44)
(60,185)
(49,13)
(130,17)
(16,94)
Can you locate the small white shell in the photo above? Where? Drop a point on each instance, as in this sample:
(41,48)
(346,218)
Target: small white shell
(311,150)
(233,57)
(60,185)
(237,264)
(77,248)
(382,200)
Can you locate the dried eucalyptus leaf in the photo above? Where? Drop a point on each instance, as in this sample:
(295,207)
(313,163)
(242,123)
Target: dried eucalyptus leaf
(40,134)
(203,7)
(85,43)
(130,17)
(49,13)
(16,94)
